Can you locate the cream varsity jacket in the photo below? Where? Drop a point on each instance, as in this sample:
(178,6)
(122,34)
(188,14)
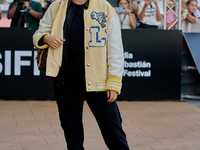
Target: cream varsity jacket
(104,60)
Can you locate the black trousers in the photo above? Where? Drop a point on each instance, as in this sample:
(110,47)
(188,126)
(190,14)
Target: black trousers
(70,100)
(142,25)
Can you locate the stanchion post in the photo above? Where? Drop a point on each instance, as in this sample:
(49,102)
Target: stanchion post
(165,15)
(179,15)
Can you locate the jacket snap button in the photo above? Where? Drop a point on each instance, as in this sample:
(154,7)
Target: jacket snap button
(87,47)
(89,83)
(86,12)
(88,65)
(87,29)
(89,88)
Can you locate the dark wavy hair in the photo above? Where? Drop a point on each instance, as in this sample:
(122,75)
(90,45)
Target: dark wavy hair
(189,1)
(120,0)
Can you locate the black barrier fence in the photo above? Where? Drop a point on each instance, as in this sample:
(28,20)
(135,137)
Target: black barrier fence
(152,66)
(157,54)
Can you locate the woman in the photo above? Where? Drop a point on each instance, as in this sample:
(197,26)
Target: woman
(134,5)
(189,19)
(191,6)
(127,19)
(85,57)
(150,13)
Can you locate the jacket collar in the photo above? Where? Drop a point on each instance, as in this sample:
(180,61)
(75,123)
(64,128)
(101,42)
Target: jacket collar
(85,5)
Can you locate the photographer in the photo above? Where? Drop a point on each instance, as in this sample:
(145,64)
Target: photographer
(25,13)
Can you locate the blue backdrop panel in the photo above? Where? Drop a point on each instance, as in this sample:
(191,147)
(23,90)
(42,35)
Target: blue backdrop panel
(192,40)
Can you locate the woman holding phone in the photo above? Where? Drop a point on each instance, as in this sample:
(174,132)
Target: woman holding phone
(150,14)
(126,18)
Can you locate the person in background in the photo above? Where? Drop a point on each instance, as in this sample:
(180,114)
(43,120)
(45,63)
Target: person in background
(170,16)
(150,13)
(189,17)
(197,12)
(184,11)
(134,5)
(127,19)
(32,11)
(191,6)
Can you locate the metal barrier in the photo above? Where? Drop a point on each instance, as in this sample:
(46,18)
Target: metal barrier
(176,9)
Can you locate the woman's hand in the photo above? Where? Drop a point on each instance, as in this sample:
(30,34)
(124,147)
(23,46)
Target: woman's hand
(127,12)
(183,5)
(111,96)
(148,2)
(53,41)
(131,4)
(155,1)
(116,10)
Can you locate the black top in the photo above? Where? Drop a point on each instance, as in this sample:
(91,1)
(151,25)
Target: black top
(76,41)
(73,69)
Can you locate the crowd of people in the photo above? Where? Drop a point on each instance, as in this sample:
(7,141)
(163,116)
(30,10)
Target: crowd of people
(140,13)
(136,13)
(150,13)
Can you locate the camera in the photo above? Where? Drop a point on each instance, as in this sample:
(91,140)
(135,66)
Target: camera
(21,2)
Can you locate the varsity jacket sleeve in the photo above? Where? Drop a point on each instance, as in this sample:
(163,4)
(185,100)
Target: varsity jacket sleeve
(115,55)
(44,28)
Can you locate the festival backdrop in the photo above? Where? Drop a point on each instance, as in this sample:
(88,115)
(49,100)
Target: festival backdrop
(152,66)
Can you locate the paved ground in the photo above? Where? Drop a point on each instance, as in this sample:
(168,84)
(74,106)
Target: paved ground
(34,125)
